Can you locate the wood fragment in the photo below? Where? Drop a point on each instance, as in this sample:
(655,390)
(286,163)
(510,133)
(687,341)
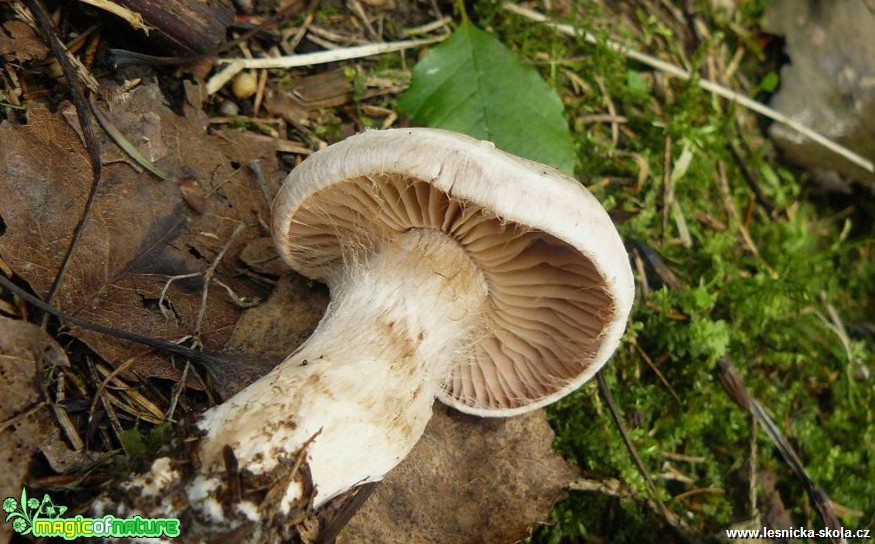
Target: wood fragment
(187,26)
(131,17)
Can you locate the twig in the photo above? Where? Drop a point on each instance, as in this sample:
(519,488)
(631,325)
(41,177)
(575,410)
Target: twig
(735,217)
(748,176)
(627,440)
(61,415)
(74,81)
(734,385)
(261,181)
(346,512)
(208,277)
(234,66)
(178,388)
(121,57)
(615,488)
(201,356)
(133,396)
(752,484)
(706,84)
(132,18)
(360,13)
(667,186)
(106,399)
(105,383)
(612,111)
(428,28)
(658,372)
(162,298)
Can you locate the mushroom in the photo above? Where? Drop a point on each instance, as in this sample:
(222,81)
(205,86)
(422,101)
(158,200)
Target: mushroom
(457,271)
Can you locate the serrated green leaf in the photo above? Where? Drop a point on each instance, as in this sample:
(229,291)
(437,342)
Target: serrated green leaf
(472,84)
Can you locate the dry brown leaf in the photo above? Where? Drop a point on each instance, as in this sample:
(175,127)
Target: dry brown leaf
(467,480)
(141,232)
(267,334)
(19,42)
(260,256)
(26,425)
(294,102)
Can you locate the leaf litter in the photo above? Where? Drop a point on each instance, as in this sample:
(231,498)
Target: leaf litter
(27,426)
(141,232)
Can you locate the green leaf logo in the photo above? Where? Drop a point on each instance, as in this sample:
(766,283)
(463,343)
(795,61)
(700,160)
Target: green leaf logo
(30,510)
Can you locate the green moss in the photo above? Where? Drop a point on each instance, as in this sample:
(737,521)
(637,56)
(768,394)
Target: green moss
(790,309)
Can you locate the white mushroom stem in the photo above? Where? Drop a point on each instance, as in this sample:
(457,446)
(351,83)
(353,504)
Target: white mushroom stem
(357,395)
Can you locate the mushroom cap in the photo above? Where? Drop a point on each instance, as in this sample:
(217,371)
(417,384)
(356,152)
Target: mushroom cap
(559,282)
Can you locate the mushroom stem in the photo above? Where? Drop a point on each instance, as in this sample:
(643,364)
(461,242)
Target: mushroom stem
(364,383)
(356,396)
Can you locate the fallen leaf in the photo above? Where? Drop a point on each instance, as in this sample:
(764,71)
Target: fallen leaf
(260,256)
(473,84)
(141,234)
(19,42)
(27,425)
(467,480)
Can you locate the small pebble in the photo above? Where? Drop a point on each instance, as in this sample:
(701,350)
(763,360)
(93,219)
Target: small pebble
(229,108)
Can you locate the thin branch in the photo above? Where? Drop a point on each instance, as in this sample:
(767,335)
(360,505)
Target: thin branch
(627,440)
(201,356)
(734,385)
(74,77)
(234,66)
(706,84)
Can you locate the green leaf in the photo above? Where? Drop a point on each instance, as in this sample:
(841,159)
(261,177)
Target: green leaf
(770,82)
(133,442)
(472,84)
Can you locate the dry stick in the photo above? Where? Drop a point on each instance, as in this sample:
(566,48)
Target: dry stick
(668,187)
(627,440)
(735,217)
(122,56)
(201,356)
(734,385)
(133,396)
(612,111)
(234,66)
(633,452)
(346,512)
(261,181)
(752,481)
(74,81)
(706,84)
(178,387)
(615,488)
(131,17)
(748,176)
(658,372)
(208,277)
(105,383)
(61,415)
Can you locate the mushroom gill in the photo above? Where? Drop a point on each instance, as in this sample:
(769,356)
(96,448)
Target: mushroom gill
(548,303)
